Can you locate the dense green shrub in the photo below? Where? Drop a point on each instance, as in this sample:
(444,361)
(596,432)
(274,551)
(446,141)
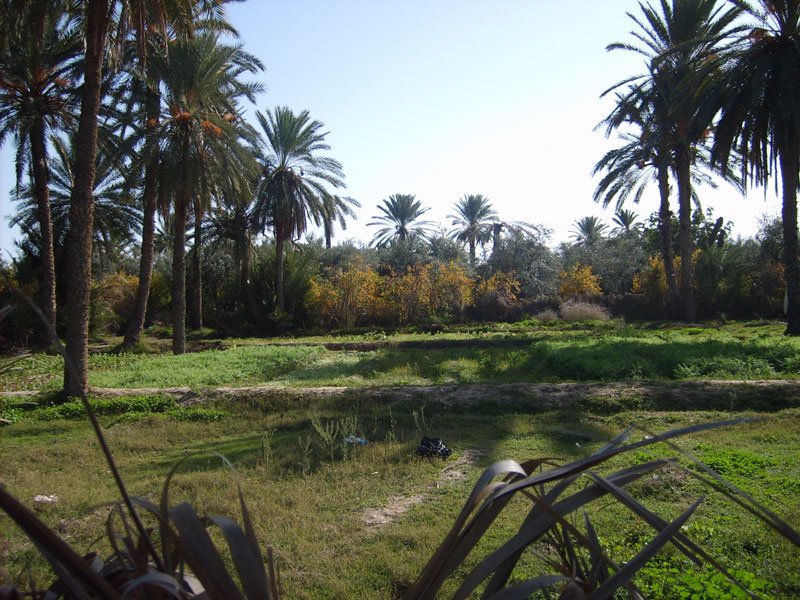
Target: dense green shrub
(109,406)
(112,303)
(202,415)
(9,411)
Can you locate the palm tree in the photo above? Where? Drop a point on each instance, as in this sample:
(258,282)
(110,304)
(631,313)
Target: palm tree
(760,119)
(116,218)
(78,268)
(149,186)
(399,220)
(473,219)
(234,174)
(36,70)
(631,168)
(644,158)
(233,221)
(337,209)
(680,42)
(200,153)
(515,228)
(97,23)
(296,180)
(626,223)
(138,91)
(588,232)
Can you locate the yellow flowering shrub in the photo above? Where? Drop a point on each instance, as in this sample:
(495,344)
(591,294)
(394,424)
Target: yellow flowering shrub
(406,297)
(451,290)
(579,282)
(501,284)
(347,297)
(497,296)
(651,282)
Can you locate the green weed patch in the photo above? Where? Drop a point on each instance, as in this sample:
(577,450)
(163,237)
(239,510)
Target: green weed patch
(350,519)
(107,406)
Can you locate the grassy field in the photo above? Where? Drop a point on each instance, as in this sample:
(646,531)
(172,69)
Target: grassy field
(515,353)
(349,520)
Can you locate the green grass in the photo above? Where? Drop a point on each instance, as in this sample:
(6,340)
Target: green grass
(308,498)
(235,366)
(534,353)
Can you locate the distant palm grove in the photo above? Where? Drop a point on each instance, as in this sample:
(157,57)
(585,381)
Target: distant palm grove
(146,198)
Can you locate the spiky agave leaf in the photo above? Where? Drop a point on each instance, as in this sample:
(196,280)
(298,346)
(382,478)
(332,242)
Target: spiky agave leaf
(593,573)
(193,543)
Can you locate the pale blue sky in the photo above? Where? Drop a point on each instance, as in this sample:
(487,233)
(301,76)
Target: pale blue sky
(440,98)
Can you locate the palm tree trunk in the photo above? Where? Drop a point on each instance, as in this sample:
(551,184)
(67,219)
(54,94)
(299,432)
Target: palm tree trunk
(279,244)
(179,277)
(683,169)
(791,265)
(667,253)
(78,269)
(243,262)
(497,229)
(328,226)
(471,252)
(196,308)
(150,194)
(41,190)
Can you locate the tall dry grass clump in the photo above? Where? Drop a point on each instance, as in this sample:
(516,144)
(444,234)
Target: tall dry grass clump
(573,311)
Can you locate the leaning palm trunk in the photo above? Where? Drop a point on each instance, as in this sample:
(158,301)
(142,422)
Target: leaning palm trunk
(150,194)
(78,269)
(196,307)
(683,168)
(667,253)
(179,278)
(42,193)
(789,161)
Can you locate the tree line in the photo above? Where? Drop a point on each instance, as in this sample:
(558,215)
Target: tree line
(133,157)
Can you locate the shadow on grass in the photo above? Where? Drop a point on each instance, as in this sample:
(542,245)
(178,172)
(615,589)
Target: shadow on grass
(622,360)
(34,430)
(242,451)
(559,360)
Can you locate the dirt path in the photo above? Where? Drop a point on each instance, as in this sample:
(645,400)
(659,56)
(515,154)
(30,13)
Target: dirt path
(396,506)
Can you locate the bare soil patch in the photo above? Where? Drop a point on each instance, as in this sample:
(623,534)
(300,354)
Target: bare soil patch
(396,506)
(603,397)
(684,395)
(609,397)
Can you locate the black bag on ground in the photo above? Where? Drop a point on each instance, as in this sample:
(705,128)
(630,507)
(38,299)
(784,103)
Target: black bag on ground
(433,447)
